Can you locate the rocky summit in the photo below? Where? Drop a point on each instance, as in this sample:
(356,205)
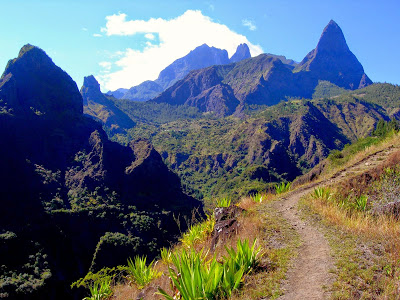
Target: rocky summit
(71,198)
(99,107)
(242,52)
(333,61)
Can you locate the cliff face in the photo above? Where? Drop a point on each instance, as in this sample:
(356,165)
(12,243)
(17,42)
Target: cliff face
(66,191)
(333,61)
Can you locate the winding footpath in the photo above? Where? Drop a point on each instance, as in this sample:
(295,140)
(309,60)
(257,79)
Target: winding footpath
(310,272)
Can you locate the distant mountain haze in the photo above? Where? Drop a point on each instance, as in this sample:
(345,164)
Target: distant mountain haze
(201,57)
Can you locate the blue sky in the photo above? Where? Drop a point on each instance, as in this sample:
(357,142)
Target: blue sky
(118,43)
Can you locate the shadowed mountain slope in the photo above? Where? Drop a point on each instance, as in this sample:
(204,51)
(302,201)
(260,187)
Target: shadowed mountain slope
(71,198)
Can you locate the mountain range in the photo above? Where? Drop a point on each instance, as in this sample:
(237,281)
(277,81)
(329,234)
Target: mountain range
(268,79)
(201,57)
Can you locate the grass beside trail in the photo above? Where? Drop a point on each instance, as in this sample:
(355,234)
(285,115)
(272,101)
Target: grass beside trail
(365,250)
(280,242)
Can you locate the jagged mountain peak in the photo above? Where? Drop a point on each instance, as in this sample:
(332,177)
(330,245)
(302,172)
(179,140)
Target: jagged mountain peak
(332,39)
(333,61)
(33,85)
(90,81)
(242,52)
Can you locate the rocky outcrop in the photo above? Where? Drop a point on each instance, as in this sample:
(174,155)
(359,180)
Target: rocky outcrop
(226,223)
(242,52)
(144,91)
(100,108)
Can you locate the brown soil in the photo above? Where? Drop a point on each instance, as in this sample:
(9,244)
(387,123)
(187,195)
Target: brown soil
(310,272)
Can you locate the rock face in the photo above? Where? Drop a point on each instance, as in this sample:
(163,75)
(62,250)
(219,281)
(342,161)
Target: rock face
(242,52)
(268,79)
(226,223)
(40,95)
(102,109)
(201,57)
(333,61)
(67,192)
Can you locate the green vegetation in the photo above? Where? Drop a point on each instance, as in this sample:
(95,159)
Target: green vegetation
(156,113)
(282,187)
(223,157)
(104,275)
(139,273)
(257,198)
(100,290)
(197,233)
(384,130)
(322,193)
(195,277)
(224,202)
(325,89)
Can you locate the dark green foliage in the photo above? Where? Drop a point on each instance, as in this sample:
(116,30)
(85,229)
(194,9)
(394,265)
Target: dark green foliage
(156,113)
(383,128)
(325,89)
(384,94)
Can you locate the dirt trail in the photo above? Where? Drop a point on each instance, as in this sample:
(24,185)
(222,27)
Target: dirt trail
(310,272)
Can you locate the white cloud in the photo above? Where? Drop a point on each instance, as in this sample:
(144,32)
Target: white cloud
(106,65)
(84,29)
(97,35)
(149,36)
(250,24)
(177,37)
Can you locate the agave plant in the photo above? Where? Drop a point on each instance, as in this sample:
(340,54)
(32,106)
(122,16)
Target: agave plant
(322,193)
(139,273)
(100,290)
(194,278)
(224,202)
(258,198)
(244,256)
(361,203)
(282,187)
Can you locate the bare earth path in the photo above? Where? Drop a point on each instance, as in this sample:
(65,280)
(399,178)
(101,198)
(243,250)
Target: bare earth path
(310,272)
